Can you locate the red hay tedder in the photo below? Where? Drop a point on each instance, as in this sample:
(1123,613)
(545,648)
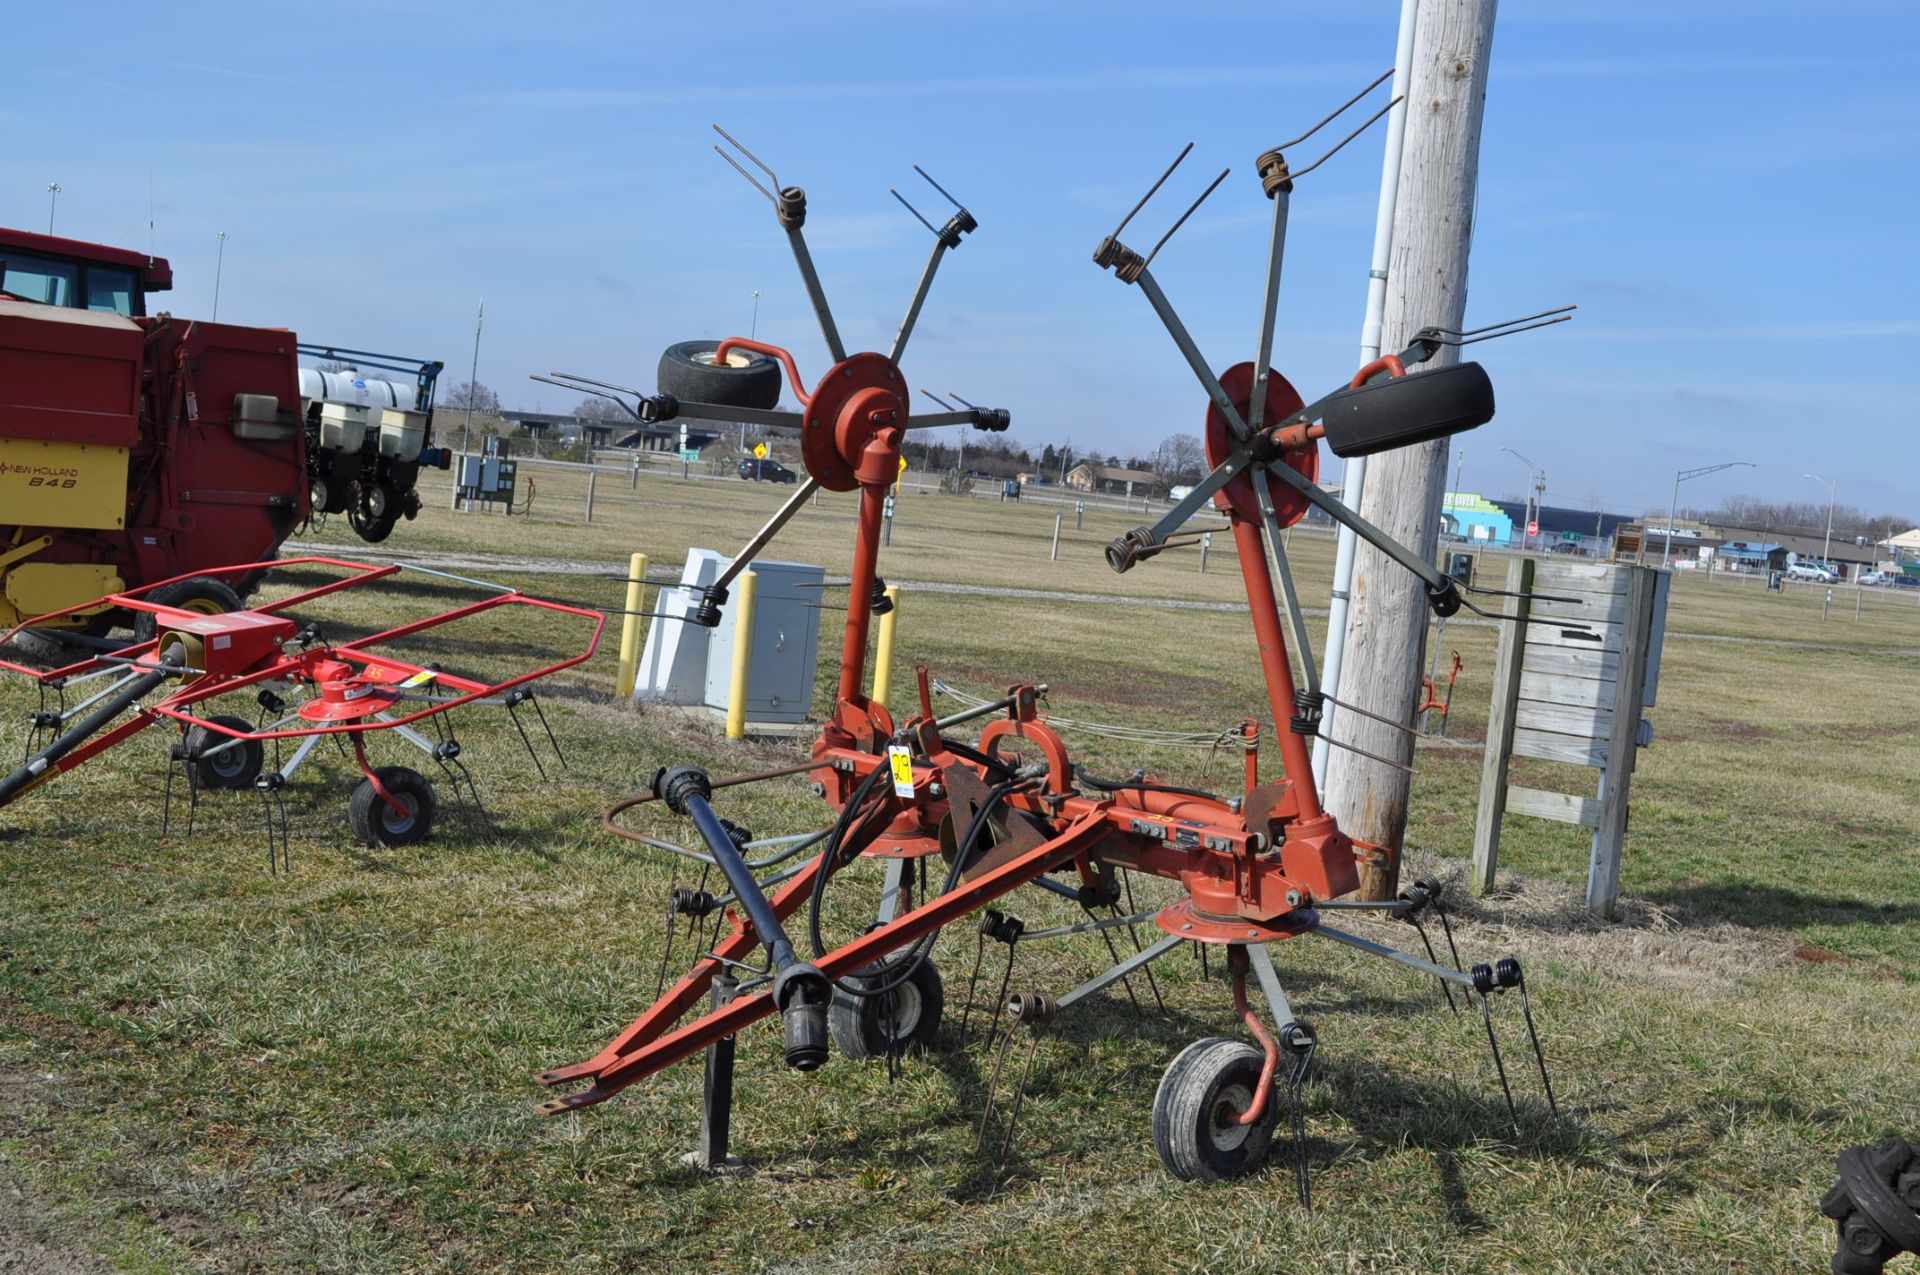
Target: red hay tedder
(298,685)
(1009,808)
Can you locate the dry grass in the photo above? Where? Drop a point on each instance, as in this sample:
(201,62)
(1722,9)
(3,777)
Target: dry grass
(211,1068)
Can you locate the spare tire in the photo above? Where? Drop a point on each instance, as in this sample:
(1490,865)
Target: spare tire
(687,371)
(204,595)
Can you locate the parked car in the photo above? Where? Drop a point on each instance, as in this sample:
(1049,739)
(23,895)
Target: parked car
(1903,580)
(1812,573)
(754,469)
(1876,578)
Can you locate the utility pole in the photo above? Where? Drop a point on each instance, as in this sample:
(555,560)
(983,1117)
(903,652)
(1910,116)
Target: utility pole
(53,197)
(1826,547)
(1432,233)
(1353,475)
(1538,483)
(219,262)
(473,377)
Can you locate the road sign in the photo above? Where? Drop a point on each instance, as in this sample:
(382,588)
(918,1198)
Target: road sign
(689,454)
(1533,528)
(760,450)
(1571,537)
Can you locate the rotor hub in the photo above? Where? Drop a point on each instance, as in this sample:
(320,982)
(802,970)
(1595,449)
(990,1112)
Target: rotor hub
(859,403)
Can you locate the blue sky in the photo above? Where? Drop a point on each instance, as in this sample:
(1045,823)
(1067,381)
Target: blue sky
(1726,190)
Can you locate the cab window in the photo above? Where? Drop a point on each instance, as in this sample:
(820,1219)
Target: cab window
(110,288)
(40,279)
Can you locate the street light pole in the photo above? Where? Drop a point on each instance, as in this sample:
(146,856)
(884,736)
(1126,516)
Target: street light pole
(754,329)
(53,197)
(1673,509)
(218,262)
(1539,485)
(1826,546)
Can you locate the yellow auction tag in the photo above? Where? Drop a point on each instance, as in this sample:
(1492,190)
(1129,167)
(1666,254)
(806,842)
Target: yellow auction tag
(902,762)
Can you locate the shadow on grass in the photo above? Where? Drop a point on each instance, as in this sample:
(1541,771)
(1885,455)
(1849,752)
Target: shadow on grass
(1776,907)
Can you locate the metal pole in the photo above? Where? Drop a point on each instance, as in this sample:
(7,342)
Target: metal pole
(53,198)
(883,648)
(742,656)
(1354,476)
(219,261)
(1055,555)
(473,376)
(630,625)
(1673,511)
(593,476)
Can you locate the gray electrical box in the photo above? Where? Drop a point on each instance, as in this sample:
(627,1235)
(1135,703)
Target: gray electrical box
(683,663)
(786,644)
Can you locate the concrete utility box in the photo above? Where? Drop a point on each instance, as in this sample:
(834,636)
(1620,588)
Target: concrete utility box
(683,663)
(786,645)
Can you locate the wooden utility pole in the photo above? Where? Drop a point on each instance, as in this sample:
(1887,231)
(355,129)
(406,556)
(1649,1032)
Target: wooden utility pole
(1426,284)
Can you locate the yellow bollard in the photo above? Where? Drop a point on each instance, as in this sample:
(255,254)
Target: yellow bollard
(630,626)
(742,655)
(883,653)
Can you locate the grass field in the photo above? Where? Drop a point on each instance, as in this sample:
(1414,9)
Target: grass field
(204,1066)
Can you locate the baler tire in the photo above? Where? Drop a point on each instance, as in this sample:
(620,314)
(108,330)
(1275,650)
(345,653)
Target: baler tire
(203,594)
(1210,1082)
(373,820)
(233,768)
(687,371)
(860,1023)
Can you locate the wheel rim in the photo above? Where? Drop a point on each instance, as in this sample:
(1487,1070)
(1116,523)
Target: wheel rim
(734,359)
(394,824)
(1222,1129)
(202,606)
(228,763)
(906,1012)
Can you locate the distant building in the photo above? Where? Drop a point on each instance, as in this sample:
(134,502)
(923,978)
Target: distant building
(1748,555)
(1473,517)
(1087,476)
(1564,529)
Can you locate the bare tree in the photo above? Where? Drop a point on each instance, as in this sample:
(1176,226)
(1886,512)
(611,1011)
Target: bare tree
(475,395)
(1178,459)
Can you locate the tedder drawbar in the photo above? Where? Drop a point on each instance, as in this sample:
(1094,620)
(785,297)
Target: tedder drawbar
(297,685)
(1008,807)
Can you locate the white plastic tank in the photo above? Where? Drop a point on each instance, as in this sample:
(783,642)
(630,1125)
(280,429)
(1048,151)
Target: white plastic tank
(352,388)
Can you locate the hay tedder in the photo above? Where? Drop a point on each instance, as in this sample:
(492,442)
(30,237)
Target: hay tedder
(201,671)
(1008,808)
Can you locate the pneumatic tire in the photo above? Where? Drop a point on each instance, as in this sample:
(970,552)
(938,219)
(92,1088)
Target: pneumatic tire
(903,1021)
(1210,1083)
(203,595)
(687,371)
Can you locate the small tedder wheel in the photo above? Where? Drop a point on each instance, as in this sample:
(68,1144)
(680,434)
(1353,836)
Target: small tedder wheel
(328,495)
(378,824)
(747,379)
(203,595)
(902,1021)
(1194,1112)
(233,767)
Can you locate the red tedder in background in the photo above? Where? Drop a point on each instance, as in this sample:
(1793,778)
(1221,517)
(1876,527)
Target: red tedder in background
(1009,808)
(301,687)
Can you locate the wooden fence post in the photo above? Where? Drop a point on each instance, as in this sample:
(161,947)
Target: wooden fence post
(1500,722)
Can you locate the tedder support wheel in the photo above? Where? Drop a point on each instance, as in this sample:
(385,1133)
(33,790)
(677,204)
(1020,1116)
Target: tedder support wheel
(687,370)
(203,595)
(904,1020)
(232,767)
(378,824)
(1203,1090)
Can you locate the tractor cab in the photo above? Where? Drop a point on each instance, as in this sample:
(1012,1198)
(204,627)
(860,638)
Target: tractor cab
(77,275)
